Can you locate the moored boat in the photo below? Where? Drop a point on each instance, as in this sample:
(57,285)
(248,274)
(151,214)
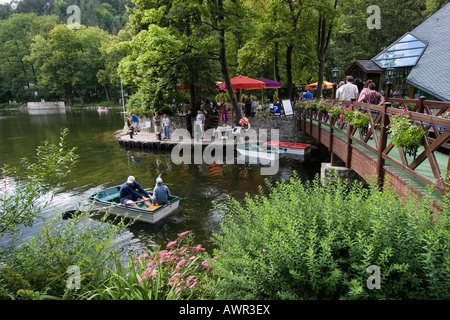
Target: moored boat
(291,147)
(108,200)
(261,152)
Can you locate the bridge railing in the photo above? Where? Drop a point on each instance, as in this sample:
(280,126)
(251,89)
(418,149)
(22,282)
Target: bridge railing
(429,164)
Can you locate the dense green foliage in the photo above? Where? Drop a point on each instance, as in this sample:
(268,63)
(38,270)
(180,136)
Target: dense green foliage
(167,43)
(308,241)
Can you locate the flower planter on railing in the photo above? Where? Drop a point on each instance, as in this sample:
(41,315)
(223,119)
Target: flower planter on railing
(406,135)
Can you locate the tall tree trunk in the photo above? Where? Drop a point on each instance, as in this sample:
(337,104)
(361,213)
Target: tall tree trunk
(289,50)
(323,39)
(224,66)
(106,93)
(276,71)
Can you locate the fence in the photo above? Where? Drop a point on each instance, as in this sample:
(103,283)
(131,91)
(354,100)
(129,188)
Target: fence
(371,151)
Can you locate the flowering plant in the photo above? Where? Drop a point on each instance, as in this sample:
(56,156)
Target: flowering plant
(177,272)
(445,115)
(404,134)
(357,118)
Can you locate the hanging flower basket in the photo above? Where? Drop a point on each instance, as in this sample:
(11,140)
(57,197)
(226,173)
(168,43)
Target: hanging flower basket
(405,135)
(357,118)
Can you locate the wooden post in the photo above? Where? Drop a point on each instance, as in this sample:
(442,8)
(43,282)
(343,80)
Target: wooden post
(349,145)
(421,107)
(333,157)
(382,144)
(388,90)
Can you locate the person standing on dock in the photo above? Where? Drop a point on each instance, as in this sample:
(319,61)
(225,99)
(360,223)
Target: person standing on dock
(200,123)
(189,122)
(166,126)
(157,123)
(134,121)
(129,195)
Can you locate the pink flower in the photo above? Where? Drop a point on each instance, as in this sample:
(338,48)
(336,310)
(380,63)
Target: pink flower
(205,264)
(193,283)
(177,291)
(184,233)
(153,274)
(192,258)
(179,264)
(176,275)
(144,256)
(199,247)
(171,243)
(265,250)
(170,283)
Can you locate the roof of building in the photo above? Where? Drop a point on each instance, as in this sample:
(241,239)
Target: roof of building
(368,66)
(433,69)
(426,48)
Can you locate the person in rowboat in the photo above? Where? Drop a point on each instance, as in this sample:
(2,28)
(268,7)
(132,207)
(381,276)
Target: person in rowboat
(161,193)
(129,195)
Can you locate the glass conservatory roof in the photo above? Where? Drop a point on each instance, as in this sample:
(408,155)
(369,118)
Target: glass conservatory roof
(403,53)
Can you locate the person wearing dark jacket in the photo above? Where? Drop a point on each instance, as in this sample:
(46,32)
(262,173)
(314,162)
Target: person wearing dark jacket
(189,122)
(129,195)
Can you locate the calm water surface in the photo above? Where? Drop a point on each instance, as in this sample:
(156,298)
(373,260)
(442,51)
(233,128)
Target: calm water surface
(103,163)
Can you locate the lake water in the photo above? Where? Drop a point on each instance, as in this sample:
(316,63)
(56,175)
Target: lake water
(104,163)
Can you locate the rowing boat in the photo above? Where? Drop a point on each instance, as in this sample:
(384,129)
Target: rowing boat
(291,147)
(108,200)
(261,152)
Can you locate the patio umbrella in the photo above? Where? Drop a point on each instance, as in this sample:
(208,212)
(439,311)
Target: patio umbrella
(242,82)
(325,85)
(224,115)
(271,83)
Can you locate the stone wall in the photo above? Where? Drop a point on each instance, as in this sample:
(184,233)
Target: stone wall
(51,105)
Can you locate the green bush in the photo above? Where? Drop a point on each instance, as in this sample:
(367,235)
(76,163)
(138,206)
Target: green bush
(39,269)
(308,241)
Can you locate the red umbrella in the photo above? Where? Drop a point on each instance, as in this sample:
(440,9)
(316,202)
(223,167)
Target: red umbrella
(241,82)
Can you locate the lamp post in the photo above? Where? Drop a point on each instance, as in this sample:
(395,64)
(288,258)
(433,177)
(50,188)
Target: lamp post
(335,74)
(390,73)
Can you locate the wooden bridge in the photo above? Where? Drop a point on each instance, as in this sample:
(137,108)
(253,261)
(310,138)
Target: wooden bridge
(370,152)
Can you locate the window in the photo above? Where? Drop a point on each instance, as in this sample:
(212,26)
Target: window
(403,53)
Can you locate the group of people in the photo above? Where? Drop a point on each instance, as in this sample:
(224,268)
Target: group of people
(132,193)
(349,91)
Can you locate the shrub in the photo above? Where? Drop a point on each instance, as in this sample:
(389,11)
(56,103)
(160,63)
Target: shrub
(38,269)
(308,241)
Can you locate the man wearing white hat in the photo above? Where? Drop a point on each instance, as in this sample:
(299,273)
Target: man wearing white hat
(129,194)
(161,194)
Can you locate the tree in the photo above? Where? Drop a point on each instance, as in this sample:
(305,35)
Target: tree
(177,41)
(326,24)
(69,61)
(16,35)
